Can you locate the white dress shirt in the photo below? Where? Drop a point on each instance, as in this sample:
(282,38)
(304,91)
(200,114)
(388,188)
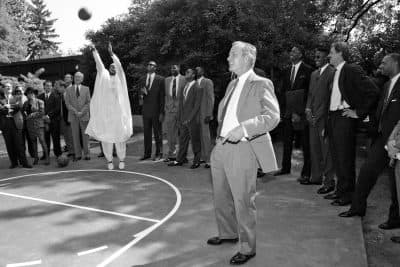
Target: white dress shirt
(392,83)
(187,89)
(177,77)
(151,79)
(323,68)
(296,69)
(336,96)
(200,79)
(231,121)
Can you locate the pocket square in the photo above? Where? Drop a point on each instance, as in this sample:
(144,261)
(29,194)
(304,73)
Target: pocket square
(394,100)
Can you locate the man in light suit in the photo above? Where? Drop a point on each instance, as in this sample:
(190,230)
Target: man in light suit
(316,114)
(77,100)
(174,85)
(206,110)
(246,114)
(188,120)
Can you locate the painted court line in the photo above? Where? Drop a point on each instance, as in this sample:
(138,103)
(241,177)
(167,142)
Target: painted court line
(92,251)
(80,207)
(28,263)
(139,236)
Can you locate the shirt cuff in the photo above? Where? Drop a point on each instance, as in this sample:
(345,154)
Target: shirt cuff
(245,132)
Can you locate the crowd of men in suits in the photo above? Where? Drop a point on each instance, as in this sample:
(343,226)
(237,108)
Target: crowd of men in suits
(27,116)
(184,103)
(326,106)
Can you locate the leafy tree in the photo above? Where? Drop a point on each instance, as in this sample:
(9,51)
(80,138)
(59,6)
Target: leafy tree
(41,27)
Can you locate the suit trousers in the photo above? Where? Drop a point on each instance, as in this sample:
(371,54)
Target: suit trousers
(370,170)
(397,181)
(54,132)
(109,147)
(205,141)
(171,122)
(342,143)
(321,160)
(27,141)
(13,138)
(149,125)
(39,134)
(189,132)
(67,133)
(234,174)
(78,128)
(288,138)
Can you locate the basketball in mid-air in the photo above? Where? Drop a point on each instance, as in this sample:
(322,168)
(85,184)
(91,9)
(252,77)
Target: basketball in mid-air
(84,13)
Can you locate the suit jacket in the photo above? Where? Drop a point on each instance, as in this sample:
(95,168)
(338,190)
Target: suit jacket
(258,112)
(395,135)
(77,104)
(296,92)
(37,111)
(52,106)
(171,105)
(388,111)
(189,108)
(16,104)
(207,101)
(358,90)
(153,102)
(319,92)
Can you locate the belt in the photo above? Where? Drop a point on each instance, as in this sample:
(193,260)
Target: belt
(221,138)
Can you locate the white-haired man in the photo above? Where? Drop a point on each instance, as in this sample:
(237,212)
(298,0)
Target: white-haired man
(77,100)
(246,114)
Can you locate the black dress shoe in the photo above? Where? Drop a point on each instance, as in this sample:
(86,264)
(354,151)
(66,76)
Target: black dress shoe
(175,163)
(100,155)
(308,182)
(325,189)
(87,158)
(157,157)
(207,166)
(195,165)
(169,159)
(27,166)
(395,239)
(240,258)
(350,213)
(13,166)
(215,241)
(341,202)
(43,157)
(332,196)
(144,157)
(281,172)
(77,158)
(303,178)
(389,225)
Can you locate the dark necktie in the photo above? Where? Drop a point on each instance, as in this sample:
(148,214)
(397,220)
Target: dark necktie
(77,91)
(174,88)
(226,106)
(385,102)
(292,73)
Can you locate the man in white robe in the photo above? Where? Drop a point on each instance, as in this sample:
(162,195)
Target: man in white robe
(110,111)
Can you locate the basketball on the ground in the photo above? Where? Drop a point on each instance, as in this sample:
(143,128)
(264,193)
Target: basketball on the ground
(84,13)
(62,161)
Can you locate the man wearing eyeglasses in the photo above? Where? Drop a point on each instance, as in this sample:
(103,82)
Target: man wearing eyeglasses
(152,90)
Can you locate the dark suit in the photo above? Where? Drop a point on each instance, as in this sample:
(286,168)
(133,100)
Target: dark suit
(387,115)
(11,125)
(317,104)
(153,106)
(52,106)
(361,94)
(295,102)
(189,121)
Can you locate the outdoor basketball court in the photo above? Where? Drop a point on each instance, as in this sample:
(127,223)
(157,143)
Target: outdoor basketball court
(159,216)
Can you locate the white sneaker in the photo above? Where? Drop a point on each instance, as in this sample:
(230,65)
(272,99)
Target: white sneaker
(121,165)
(110,165)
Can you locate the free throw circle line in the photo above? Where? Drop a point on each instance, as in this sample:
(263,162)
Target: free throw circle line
(28,263)
(90,251)
(143,234)
(79,207)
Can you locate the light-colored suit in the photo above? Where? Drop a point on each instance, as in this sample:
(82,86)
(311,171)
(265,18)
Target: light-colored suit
(78,123)
(171,110)
(395,135)
(206,110)
(234,166)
